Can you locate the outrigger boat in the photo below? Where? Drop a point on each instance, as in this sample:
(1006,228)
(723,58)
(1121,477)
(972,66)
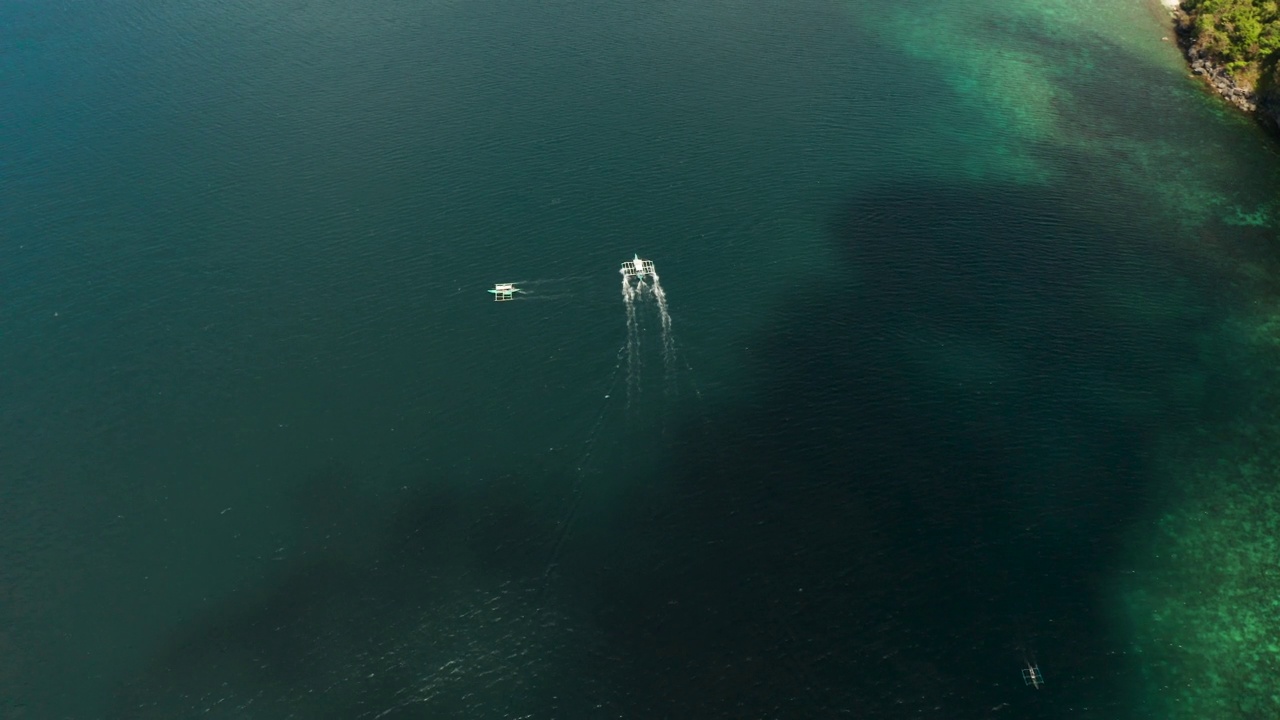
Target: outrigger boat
(638,268)
(1031,675)
(504,291)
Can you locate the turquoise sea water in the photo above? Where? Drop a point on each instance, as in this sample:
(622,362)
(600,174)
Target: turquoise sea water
(946,285)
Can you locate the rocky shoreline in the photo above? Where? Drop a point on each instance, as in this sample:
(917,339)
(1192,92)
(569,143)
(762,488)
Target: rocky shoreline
(1246,98)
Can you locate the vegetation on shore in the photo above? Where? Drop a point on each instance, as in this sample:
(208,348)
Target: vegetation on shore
(1242,35)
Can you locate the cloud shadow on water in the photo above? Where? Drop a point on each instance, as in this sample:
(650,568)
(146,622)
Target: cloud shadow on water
(930,483)
(431,607)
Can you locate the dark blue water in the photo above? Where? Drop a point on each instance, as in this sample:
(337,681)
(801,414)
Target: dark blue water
(940,289)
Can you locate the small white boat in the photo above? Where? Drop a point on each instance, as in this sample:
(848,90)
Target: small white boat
(504,291)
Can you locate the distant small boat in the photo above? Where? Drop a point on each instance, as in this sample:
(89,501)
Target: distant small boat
(1031,675)
(504,291)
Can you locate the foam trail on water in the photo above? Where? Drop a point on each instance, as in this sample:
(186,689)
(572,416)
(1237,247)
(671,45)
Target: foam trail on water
(668,344)
(633,337)
(527,296)
(545,281)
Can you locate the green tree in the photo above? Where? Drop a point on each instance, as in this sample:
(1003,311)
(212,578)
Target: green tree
(1244,35)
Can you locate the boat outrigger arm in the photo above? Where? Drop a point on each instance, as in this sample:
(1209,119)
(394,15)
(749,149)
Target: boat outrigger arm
(504,291)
